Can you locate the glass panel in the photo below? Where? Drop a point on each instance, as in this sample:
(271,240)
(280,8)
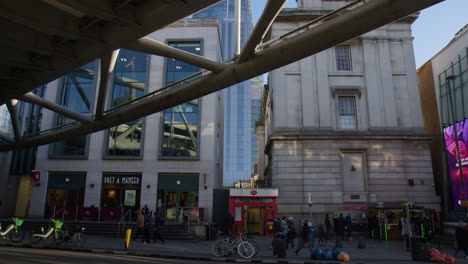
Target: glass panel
(125,139)
(129,84)
(180,128)
(171,203)
(110,198)
(77,91)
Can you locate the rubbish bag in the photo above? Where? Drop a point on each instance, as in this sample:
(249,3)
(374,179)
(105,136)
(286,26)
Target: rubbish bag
(316,254)
(336,252)
(327,254)
(343,257)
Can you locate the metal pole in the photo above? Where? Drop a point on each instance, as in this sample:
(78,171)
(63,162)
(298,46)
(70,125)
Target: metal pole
(462,177)
(237,26)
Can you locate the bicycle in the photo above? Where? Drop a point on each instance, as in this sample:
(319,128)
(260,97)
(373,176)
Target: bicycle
(75,236)
(58,234)
(247,237)
(15,230)
(228,245)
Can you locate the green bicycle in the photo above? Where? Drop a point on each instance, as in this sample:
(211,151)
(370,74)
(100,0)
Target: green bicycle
(58,234)
(16,233)
(228,245)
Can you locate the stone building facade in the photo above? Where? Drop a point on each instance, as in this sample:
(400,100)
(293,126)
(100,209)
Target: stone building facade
(343,129)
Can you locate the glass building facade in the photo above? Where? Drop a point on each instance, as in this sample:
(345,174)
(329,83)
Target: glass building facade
(238,129)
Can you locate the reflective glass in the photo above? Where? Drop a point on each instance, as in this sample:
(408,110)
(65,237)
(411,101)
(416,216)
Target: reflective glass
(180,127)
(76,95)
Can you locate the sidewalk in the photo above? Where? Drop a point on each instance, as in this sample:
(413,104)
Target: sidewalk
(376,251)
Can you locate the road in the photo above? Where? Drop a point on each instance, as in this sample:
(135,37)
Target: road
(16,255)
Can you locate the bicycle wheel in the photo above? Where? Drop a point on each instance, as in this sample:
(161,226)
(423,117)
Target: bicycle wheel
(245,250)
(255,246)
(217,248)
(322,242)
(35,239)
(58,237)
(17,235)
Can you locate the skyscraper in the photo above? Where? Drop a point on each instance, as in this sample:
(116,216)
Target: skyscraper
(238,128)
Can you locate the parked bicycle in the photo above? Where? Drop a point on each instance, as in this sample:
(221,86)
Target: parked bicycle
(228,245)
(249,238)
(15,230)
(58,235)
(75,236)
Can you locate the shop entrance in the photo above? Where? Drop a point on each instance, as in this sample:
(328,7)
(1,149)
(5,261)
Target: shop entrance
(176,193)
(254,219)
(65,190)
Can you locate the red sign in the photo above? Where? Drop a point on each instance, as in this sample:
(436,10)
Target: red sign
(253,192)
(36,176)
(355,208)
(310,204)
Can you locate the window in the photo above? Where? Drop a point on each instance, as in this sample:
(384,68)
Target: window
(180,123)
(347,112)
(129,84)
(76,95)
(343,58)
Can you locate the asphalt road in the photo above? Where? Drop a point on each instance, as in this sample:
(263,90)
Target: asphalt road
(15,255)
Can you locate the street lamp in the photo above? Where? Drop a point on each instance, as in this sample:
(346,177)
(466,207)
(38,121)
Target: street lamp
(454,119)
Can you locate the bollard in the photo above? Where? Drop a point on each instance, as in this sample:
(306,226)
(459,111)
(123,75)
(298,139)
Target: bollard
(128,236)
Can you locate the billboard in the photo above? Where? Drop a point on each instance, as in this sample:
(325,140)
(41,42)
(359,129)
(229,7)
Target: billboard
(452,159)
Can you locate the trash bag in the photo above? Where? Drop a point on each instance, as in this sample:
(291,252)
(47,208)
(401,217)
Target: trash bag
(316,254)
(437,259)
(448,259)
(433,252)
(342,257)
(336,252)
(327,254)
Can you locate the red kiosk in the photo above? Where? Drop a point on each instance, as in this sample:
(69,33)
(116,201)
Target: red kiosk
(253,209)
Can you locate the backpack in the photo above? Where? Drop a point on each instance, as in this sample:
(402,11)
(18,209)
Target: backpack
(283,227)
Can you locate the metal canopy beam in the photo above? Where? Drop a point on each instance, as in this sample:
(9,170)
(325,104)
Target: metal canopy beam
(151,46)
(272,9)
(13,109)
(34,99)
(332,32)
(107,67)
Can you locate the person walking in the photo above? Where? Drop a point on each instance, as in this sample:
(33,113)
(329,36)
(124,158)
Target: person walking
(328,225)
(145,210)
(461,236)
(341,226)
(349,223)
(140,225)
(157,226)
(304,238)
(228,222)
(291,235)
(147,228)
(372,224)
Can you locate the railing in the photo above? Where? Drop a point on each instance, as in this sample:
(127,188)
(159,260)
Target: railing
(191,218)
(123,220)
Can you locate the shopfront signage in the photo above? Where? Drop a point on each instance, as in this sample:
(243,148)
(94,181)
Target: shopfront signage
(261,192)
(130,198)
(121,180)
(463,203)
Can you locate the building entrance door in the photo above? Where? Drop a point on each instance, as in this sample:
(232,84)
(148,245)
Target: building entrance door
(60,198)
(174,202)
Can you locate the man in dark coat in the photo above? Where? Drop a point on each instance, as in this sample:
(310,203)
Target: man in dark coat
(461,235)
(341,226)
(227,224)
(327,225)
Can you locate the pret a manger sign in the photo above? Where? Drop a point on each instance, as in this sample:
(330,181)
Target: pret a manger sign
(121,180)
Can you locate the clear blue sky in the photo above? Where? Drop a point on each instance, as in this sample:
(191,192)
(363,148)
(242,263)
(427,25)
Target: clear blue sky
(434,29)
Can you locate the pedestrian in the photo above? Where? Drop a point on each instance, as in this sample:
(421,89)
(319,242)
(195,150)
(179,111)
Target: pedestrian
(327,225)
(145,210)
(335,225)
(147,228)
(283,226)
(291,234)
(304,238)
(157,226)
(372,224)
(341,226)
(461,236)
(349,223)
(140,225)
(228,222)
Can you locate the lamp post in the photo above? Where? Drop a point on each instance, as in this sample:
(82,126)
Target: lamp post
(455,130)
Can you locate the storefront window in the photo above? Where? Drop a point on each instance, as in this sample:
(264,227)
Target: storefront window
(121,190)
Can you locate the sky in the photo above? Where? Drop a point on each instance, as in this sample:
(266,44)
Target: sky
(432,31)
